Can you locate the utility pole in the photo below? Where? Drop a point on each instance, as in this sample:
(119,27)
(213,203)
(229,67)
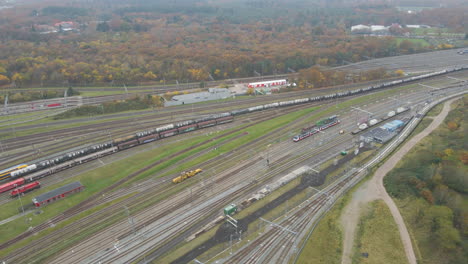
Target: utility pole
(65,94)
(131,221)
(6,104)
(230,245)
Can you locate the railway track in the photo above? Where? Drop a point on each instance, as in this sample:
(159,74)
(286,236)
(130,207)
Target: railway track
(29,141)
(274,244)
(86,205)
(267,117)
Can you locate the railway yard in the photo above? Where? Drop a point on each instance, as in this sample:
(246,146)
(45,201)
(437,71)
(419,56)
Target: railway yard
(238,151)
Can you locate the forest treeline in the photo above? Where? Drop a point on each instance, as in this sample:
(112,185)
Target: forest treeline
(156,41)
(432,185)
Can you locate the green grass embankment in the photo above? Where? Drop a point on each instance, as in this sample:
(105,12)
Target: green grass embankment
(429,185)
(378,236)
(100,178)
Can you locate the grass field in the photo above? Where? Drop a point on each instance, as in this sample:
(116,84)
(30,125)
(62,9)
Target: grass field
(378,236)
(421,42)
(100,178)
(325,245)
(249,235)
(432,30)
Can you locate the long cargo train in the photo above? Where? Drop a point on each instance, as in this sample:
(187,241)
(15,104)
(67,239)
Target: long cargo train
(216,119)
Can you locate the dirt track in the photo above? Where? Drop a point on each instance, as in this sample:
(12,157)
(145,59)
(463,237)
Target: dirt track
(374,189)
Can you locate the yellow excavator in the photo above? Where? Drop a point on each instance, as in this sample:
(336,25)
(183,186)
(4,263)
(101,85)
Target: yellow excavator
(186,174)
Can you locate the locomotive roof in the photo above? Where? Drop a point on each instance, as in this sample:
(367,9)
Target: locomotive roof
(11,168)
(58,191)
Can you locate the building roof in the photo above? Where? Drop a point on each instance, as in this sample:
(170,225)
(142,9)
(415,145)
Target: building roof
(392,125)
(58,191)
(360,27)
(396,122)
(378,27)
(380,134)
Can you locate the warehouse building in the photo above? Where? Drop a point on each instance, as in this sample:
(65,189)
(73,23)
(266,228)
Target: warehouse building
(57,194)
(378,135)
(393,126)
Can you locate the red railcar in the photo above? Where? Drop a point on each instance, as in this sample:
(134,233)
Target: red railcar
(11,185)
(26,188)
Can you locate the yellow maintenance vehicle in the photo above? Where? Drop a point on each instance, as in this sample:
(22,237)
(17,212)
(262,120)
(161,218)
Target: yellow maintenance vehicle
(186,174)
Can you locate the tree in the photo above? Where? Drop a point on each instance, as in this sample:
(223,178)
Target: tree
(150,76)
(452,125)
(18,79)
(399,72)
(4,80)
(72,92)
(103,27)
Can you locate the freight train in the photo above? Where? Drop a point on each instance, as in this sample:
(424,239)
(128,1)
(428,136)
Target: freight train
(49,166)
(6,173)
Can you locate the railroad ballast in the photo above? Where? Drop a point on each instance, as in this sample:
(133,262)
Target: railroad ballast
(46,167)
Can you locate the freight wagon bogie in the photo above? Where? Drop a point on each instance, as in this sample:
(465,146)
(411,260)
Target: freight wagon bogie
(188,128)
(127,144)
(169,133)
(224,120)
(184,123)
(164,128)
(268,106)
(207,123)
(149,138)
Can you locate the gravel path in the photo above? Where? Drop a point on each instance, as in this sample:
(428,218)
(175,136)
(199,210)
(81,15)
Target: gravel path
(374,189)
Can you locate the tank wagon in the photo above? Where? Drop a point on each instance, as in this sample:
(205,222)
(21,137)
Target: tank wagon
(365,125)
(46,167)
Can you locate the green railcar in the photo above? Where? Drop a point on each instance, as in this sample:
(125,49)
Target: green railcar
(230,209)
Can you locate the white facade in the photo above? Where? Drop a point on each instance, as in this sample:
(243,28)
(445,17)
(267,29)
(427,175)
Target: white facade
(378,28)
(360,28)
(281,82)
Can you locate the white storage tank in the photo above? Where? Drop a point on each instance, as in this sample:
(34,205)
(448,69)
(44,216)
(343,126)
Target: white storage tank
(363,126)
(373,122)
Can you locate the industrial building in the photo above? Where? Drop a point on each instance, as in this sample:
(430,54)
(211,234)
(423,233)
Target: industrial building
(57,194)
(393,126)
(378,135)
(212,94)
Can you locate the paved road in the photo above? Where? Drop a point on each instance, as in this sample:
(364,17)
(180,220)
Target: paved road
(415,63)
(374,189)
